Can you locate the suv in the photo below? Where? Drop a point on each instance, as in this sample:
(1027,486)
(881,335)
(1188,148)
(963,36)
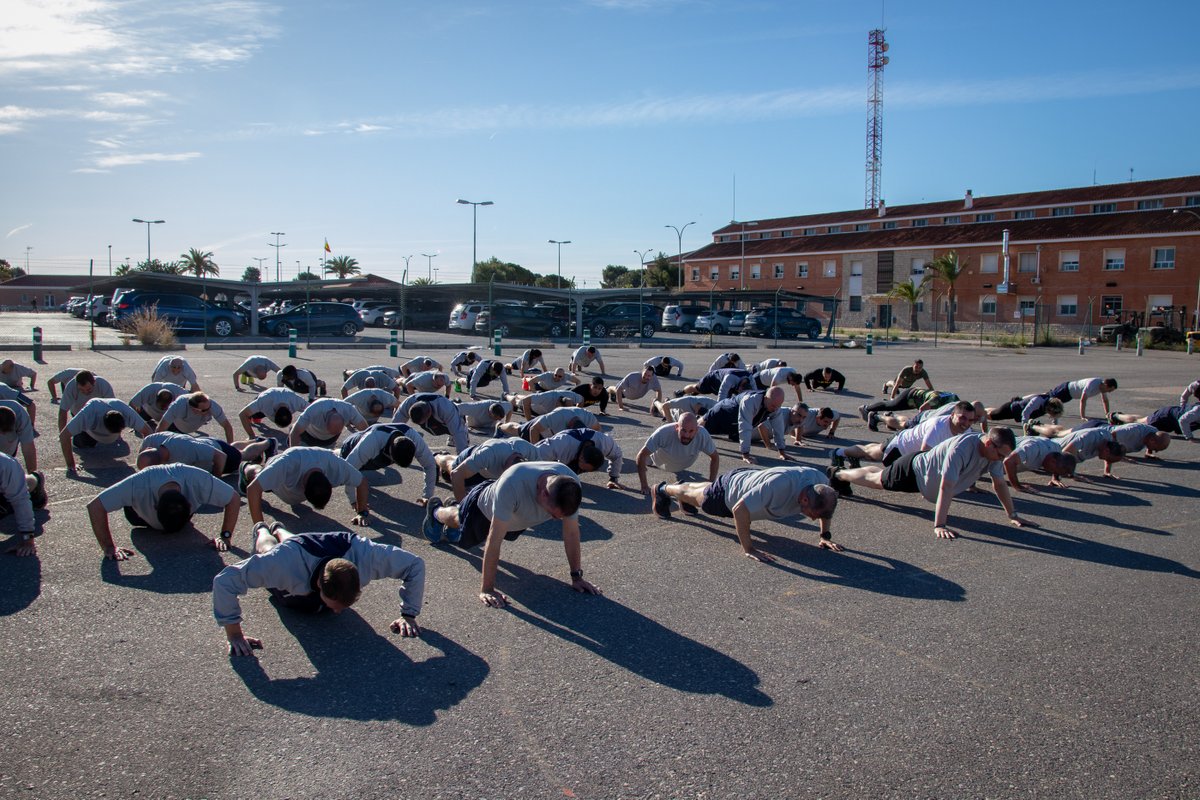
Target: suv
(719,321)
(463,316)
(681,318)
(781,322)
(550,321)
(622,318)
(308,318)
(372,313)
(185,312)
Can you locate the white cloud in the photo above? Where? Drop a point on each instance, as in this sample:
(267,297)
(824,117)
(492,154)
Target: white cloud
(110,144)
(127,99)
(133,159)
(91,171)
(18,229)
(364,127)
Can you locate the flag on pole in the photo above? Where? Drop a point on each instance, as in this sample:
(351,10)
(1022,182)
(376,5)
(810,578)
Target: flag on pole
(327,250)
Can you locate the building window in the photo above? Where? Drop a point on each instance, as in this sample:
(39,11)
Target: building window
(921,307)
(735,272)
(765,235)
(1192,201)
(952,220)
(1027,306)
(835,228)
(1024,213)
(802,269)
(1110,305)
(889,225)
(830,269)
(787,234)
(1027,262)
(920,223)
(714,273)
(695,274)
(987,216)
(916,268)
(855,303)
(862,226)
(778,271)
(1114,259)
(1068,305)
(1149,205)
(1063,211)
(1157,301)
(1068,261)
(810,231)
(1164,258)
(989,262)
(1103,208)
(755,271)
(987,305)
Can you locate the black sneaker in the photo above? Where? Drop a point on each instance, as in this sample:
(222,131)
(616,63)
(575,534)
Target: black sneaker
(37,495)
(661,502)
(679,393)
(862,411)
(243,481)
(840,486)
(688,508)
(854,462)
(432,529)
(873,422)
(1112,419)
(836,461)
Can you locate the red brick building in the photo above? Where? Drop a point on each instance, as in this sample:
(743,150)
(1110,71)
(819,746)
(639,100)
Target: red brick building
(1074,255)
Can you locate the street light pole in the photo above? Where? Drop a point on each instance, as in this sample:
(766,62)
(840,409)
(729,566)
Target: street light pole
(474,228)
(259,260)
(641,254)
(560,244)
(429,264)
(742,271)
(29,247)
(679,234)
(148,223)
(109,261)
(277,245)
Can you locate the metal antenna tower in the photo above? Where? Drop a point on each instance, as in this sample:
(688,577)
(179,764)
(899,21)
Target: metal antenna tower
(876,60)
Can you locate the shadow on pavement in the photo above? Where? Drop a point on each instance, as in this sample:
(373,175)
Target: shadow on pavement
(363,675)
(630,640)
(22,580)
(181,563)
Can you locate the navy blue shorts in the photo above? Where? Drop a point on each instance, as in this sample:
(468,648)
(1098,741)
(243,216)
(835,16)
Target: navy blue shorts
(309,440)
(1163,420)
(1062,392)
(714,496)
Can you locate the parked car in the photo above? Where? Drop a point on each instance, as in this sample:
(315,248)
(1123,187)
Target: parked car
(463,316)
(681,318)
(623,318)
(185,312)
(737,323)
(97,310)
(783,322)
(372,313)
(523,321)
(319,318)
(719,321)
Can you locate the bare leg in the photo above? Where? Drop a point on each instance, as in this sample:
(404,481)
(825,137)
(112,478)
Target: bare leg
(510,428)
(444,462)
(691,493)
(871,477)
(448,516)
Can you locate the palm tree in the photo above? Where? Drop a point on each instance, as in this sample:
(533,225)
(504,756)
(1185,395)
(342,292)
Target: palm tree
(342,266)
(421,282)
(198,263)
(122,270)
(911,293)
(948,269)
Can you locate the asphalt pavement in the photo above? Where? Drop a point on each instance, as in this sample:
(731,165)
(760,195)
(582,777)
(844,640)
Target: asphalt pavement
(1056,661)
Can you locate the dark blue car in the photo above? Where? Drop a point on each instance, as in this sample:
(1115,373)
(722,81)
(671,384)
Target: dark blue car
(315,318)
(187,314)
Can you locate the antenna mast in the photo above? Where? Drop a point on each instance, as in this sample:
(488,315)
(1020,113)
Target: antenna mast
(877,59)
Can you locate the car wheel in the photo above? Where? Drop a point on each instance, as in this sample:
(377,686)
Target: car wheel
(223,328)
(349,329)
(814,331)
(685,328)
(647,331)
(281,329)
(600,330)
(555,331)
(719,329)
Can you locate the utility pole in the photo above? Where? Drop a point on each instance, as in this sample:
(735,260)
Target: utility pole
(277,245)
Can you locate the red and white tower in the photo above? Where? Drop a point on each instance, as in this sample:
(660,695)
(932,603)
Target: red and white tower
(876,60)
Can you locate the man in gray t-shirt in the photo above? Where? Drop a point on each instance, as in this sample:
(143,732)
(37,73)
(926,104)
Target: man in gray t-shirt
(78,391)
(1037,453)
(674,447)
(545,426)
(584,450)
(277,404)
(153,399)
(583,357)
(525,496)
(14,375)
(485,461)
(189,413)
(484,413)
(16,430)
(373,403)
(747,494)
(635,386)
(940,474)
(254,368)
(391,444)
(1093,442)
(20,494)
(172,369)
(370,378)
(305,474)
(323,421)
(538,403)
(163,498)
(100,421)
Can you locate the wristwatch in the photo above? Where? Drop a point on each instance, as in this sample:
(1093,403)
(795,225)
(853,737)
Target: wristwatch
(227,535)
(576,574)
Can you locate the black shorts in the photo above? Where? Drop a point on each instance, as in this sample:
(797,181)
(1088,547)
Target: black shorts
(1163,421)
(233,456)
(891,456)
(308,603)
(714,496)
(709,384)
(1010,410)
(309,440)
(900,476)
(83,440)
(526,430)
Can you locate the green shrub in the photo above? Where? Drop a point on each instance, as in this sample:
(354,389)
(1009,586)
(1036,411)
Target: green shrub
(149,328)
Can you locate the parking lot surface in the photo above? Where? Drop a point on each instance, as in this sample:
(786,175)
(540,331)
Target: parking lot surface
(1057,661)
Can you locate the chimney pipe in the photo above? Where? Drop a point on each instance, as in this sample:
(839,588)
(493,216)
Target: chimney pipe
(969,200)
(882,209)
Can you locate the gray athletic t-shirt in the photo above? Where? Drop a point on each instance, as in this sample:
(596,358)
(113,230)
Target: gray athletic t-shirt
(144,400)
(958,461)
(140,491)
(73,399)
(1031,451)
(270,400)
(476,414)
(1087,442)
(90,419)
(489,456)
(162,372)
(770,493)
(513,498)
(1132,435)
(187,419)
(633,388)
(16,375)
(283,473)
(191,450)
(545,402)
(668,453)
(22,432)
(363,398)
(315,419)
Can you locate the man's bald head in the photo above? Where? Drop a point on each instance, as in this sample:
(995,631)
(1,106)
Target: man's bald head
(774,398)
(687,427)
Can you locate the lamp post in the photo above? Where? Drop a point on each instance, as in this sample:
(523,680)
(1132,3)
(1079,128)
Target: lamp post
(109,261)
(435,272)
(29,247)
(277,245)
(429,265)
(474,228)
(147,223)
(641,254)
(260,262)
(1196,308)
(560,244)
(679,234)
(742,271)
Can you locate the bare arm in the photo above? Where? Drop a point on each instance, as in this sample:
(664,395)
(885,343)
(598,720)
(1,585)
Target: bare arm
(643,463)
(29,451)
(64,438)
(714,461)
(1001,489)
(229,437)
(244,418)
(99,519)
(491,560)
(1010,469)
(570,529)
(254,494)
(741,523)
(942,511)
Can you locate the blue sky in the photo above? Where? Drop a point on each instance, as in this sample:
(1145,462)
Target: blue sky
(597,121)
